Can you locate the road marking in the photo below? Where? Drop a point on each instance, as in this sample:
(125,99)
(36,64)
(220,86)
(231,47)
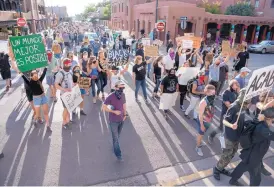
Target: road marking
(13,81)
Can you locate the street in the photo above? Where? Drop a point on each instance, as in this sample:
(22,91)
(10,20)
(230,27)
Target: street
(155,150)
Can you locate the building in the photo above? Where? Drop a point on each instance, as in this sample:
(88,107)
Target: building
(32,10)
(59,11)
(141,14)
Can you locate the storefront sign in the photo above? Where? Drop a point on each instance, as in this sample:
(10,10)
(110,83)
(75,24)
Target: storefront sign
(84,82)
(118,57)
(29,52)
(261,81)
(151,51)
(72,99)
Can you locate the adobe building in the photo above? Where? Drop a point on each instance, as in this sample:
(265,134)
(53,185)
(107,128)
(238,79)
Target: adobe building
(140,14)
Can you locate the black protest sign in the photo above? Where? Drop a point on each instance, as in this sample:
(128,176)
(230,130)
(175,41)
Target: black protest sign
(261,81)
(118,57)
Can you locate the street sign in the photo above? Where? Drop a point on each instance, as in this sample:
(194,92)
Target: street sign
(183,22)
(160,26)
(21,22)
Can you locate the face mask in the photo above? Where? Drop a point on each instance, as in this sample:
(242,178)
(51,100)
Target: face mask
(67,69)
(202,78)
(211,99)
(172,55)
(119,92)
(77,71)
(86,46)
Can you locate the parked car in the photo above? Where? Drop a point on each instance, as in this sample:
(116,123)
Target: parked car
(265,46)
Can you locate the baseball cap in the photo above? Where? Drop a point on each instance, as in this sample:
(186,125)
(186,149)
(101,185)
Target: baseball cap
(67,62)
(118,83)
(245,69)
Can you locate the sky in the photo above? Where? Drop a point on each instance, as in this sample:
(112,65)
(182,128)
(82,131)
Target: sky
(73,6)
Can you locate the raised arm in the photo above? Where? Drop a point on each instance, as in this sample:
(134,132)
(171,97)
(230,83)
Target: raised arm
(43,74)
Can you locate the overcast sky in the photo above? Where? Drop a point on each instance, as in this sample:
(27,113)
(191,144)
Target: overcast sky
(73,6)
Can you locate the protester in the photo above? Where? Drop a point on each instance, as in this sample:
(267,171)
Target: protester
(206,113)
(140,51)
(115,104)
(167,37)
(103,74)
(5,69)
(169,85)
(139,77)
(115,76)
(252,156)
(169,45)
(64,83)
(93,71)
(157,75)
(39,97)
(56,49)
(96,46)
(242,60)
(169,60)
(241,77)
(59,40)
(73,62)
(85,48)
(51,71)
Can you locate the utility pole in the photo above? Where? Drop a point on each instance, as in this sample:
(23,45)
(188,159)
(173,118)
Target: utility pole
(156,11)
(19,8)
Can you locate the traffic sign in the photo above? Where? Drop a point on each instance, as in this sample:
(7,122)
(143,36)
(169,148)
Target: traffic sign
(160,26)
(21,22)
(183,22)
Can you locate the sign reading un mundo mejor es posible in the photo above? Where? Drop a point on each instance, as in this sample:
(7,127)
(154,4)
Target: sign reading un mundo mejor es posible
(29,52)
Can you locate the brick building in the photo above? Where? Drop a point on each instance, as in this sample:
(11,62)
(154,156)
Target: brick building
(140,14)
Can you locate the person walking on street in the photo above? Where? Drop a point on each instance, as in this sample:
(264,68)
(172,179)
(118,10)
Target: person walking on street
(157,74)
(115,105)
(5,69)
(52,70)
(169,60)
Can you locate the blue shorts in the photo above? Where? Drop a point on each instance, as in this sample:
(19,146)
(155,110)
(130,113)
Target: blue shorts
(206,124)
(58,56)
(40,100)
(83,91)
(50,80)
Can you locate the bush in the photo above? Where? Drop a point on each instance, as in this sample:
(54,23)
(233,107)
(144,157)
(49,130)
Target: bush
(213,8)
(241,8)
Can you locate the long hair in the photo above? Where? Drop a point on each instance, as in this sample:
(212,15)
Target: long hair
(137,58)
(155,63)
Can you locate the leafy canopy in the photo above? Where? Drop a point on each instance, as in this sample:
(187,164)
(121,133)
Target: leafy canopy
(241,8)
(213,8)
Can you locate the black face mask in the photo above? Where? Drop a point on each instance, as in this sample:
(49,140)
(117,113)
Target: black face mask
(211,99)
(118,93)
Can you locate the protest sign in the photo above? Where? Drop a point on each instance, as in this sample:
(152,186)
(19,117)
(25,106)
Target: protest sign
(184,74)
(196,40)
(226,46)
(129,41)
(187,44)
(125,34)
(188,34)
(151,51)
(168,100)
(261,81)
(118,57)
(146,41)
(84,82)
(158,42)
(72,99)
(29,52)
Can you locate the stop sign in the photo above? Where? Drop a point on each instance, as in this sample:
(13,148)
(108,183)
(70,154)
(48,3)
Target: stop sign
(160,26)
(21,22)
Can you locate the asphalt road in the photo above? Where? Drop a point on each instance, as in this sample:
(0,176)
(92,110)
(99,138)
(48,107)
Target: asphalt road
(83,155)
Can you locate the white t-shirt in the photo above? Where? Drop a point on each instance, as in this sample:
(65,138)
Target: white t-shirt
(182,59)
(65,79)
(114,78)
(186,73)
(168,62)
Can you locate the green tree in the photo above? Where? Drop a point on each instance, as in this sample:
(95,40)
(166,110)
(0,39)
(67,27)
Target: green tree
(91,8)
(107,12)
(241,8)
(213,8)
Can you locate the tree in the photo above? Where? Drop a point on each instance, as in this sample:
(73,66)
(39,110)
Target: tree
(107,12)
(91,8)
(213,8)
(241,8)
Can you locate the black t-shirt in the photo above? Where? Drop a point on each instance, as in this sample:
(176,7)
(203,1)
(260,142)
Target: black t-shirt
(157,71)
(222,73)
(228,96)
(140,71)
(4,62)
(231,117)
(82,50)
(169,84)
(242,56)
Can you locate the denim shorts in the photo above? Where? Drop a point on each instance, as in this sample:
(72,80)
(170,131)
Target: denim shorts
(58,56)
(40,100)
(50,80)
(83,91)
(206,124)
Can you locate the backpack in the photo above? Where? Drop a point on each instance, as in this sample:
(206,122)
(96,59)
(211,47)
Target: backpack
(190,84)
(246,140)
(63,76)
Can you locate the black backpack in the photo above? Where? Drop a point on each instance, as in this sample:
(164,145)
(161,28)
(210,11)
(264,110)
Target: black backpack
(246,140)
(190,84)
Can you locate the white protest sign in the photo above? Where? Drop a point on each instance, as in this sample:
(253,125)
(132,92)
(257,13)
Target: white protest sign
(158,42)
(125,34)
(146,41)
(184,74)
(168,100)
(72,99)
(129,41)
(261,81)
(187,44)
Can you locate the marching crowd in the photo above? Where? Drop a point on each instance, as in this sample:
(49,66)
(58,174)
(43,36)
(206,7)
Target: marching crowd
(208,66)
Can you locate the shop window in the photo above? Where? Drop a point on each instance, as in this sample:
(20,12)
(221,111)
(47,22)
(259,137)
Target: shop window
(8,5)
(272,4)
(13,6)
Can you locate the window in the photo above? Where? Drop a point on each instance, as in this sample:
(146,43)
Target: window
(119,7)
(257,3)
(127,10)
(272,4)
(122,7)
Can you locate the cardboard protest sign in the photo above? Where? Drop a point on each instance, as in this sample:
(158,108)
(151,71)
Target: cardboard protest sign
(29,52)
(118,57)
(261,81)
(187,44)
(188,34)
(151,51)
(158,42)
(196,40)
(226,46)
(72,99)
(168,100)
(84,82)
(146,41)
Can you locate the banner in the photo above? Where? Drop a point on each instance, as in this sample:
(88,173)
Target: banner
(168,100)
(196,40)
(189,34)
(151,51)
(261,81)
(72,99)
(226,46)
(29,52)
(145,41)
(118,57)
(84,82)
(187,44)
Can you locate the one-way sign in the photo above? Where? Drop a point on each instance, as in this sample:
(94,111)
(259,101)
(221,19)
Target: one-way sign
(183,22)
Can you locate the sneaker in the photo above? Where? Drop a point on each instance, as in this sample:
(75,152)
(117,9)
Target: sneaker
(216,174)
(7,88)
(147,102)
(226,172)
(210,140)
(55,99)
(234,183)
(94,100)
(265,172)
(199,151)
(187,116)
(1,155)
(137,100)
(40,121)
(82,113)
(49,129)
(182,108)
(66,127)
